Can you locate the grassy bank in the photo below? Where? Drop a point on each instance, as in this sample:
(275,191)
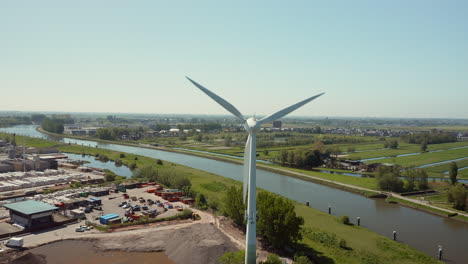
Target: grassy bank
(428,209)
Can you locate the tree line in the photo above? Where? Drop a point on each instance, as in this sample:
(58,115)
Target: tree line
(390,178)
(116,133)
(53,125)
(430,138)
(301,158)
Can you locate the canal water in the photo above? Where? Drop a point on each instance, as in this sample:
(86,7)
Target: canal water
(109,165)
(418,229)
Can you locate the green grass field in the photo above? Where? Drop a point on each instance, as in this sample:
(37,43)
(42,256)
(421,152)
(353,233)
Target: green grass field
(426,158)
(439,169)
(403,148)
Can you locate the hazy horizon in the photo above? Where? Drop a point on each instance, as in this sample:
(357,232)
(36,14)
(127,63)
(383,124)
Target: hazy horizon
(394,59)
(291,116)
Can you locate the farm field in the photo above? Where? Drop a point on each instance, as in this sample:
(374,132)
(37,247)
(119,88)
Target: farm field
(404,148)
(427,158)
(440,169)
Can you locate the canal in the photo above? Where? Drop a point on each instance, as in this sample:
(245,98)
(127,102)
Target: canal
(418,229)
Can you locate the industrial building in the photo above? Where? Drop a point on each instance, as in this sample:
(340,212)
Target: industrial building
(31,214)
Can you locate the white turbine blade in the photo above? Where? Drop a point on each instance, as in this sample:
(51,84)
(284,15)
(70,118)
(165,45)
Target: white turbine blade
(287,110)
(246,167)
(219,100)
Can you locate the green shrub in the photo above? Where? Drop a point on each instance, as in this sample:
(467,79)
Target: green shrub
(272,259)
(345,220)
(343,244)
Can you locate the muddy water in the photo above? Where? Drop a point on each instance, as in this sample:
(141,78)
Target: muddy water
(84,252)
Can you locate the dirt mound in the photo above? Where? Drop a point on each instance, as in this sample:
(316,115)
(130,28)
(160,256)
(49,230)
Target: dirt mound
(23,258)
(198,243)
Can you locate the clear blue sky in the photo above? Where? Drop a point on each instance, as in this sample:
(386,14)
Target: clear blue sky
(372,58)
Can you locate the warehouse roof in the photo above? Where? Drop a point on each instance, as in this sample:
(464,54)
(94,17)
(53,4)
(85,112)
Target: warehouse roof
(30,207)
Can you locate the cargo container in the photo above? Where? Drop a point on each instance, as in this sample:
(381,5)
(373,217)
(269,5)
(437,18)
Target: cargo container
(105,218)
(187,200)
(122,188)
(114,221)
(173,198)
(151,190)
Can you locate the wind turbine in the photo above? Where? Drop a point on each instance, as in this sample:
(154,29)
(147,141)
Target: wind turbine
(252,126)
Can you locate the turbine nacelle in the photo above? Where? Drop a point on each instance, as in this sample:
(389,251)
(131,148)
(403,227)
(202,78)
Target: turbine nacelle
(251,125)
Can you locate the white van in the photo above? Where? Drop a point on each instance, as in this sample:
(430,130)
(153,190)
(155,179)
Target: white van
(15,242)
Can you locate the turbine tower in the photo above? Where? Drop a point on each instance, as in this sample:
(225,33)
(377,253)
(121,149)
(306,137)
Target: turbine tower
(252,126)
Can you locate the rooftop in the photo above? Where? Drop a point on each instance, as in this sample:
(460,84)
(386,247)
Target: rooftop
(30,207)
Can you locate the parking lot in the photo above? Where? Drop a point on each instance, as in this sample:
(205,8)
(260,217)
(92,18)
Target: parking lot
(110,204)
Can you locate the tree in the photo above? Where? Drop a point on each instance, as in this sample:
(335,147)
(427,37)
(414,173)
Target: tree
(198,137)
(265,152)
(53,125)
(313,158)
(228,141)
(234,206)
(299,159)
(291,158)
(388,178)
(277,220)
(457,195)
(318,145)
(424,146)
(109,176)
(200,201)
(393,144)
(453,172)
(283,157)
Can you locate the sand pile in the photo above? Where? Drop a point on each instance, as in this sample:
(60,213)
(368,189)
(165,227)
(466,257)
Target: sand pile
(23,258)
(198,243)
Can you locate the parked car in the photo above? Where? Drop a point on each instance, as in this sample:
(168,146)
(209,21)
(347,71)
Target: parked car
(150,201)
(136,208)
(145,207)
(126,206)
(79,229)
(122,203)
